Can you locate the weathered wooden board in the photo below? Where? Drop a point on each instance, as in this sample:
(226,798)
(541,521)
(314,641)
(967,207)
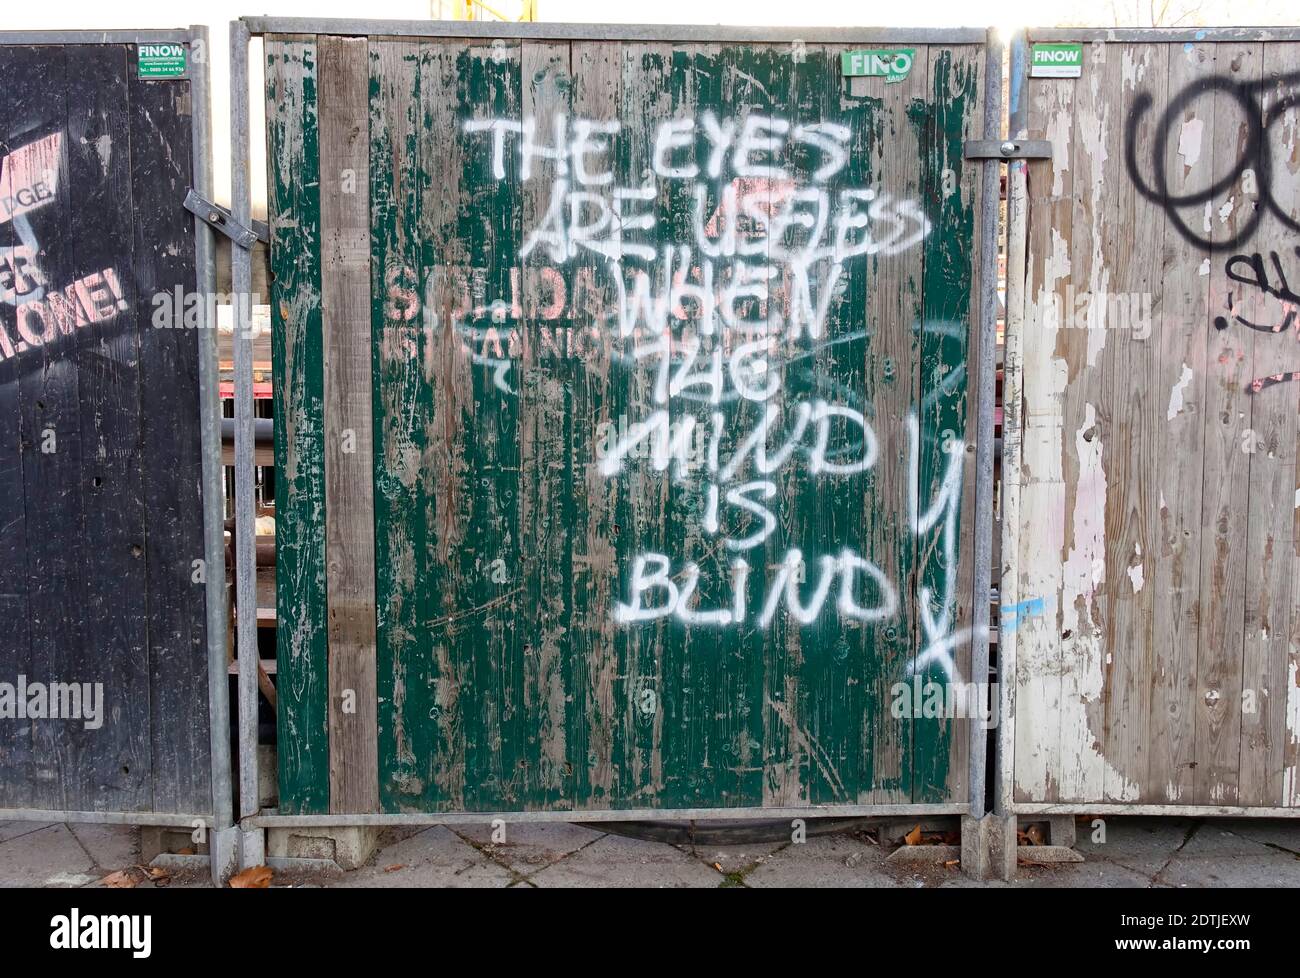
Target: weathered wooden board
(1159,431)
(100,508)
(672,446)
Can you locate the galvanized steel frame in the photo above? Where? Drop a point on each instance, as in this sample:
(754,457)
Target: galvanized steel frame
(241,33)
(220,816)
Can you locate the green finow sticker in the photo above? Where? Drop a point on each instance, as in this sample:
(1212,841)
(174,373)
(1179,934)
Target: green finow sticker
(892,65)
(1056,61)
(161,60)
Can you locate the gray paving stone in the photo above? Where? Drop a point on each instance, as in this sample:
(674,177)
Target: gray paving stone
(529,846)
(734,859)
(48,857)
(434,857)
(1142,846)
(112,846)
(1284,833)
(11,830)
(1279,869)
(621,862)
(827,860)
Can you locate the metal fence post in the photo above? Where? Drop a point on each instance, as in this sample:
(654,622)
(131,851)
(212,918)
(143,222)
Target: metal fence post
(245,513)
(1008,588)
(985,389)
(221,836)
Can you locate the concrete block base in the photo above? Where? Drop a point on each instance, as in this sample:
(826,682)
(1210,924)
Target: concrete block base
(252,848)
(348,846)
(224,845)
(1061,831)
(988,847)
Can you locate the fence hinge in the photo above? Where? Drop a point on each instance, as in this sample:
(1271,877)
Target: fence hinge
(1008,149)
(219,217)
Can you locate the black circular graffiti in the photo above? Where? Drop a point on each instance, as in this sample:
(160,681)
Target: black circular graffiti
(1256,153)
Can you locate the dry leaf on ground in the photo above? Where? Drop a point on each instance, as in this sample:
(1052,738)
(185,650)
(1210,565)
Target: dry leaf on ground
(254,878)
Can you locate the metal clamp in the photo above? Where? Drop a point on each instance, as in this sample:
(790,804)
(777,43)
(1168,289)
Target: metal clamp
(219,217)
(1007,149)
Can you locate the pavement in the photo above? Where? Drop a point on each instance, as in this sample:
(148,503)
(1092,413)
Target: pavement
(1119,852)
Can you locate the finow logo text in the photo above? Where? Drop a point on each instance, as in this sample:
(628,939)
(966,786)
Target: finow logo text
(53,701)
(74,932)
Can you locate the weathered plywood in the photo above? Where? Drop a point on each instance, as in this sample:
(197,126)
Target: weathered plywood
(668,347)
(100,506)
(344,73)
(302,684)
(1036,617)
(1160,433)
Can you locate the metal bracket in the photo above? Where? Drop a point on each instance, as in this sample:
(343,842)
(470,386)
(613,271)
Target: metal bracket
(1008,149)
(219,217)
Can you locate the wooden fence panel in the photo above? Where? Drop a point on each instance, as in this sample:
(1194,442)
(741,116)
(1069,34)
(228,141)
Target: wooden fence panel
(1156,537)
(103,653)
(673,453)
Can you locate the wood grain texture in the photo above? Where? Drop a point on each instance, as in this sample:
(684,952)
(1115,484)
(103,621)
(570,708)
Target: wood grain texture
(1270,607)
(1131,240)
(945,484)
(161,141)
(344,73)
(1185,609)
(293,183)
(112,765)
(1037,617)
(1182,311)
(894,293)
(1226,490)
(503,377)
(100,504)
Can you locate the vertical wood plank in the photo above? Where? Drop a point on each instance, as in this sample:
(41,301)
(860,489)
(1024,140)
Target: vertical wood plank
(645,703)
(112,764)
(893,382)
(485,567)
(1284,715)
(1081,343)
(19,71)
(1130,239)
(401,397)
(1273,412)
(830,657)
(161,151)
(945,467)
(1182,314)
(430,722)
(51,422)
(1037,620)
(348,435)
(302,656)
(597,82)
(1226,487)
(546,492)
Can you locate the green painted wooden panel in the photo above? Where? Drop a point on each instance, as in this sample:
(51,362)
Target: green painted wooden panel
(673,449)
(293,189)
